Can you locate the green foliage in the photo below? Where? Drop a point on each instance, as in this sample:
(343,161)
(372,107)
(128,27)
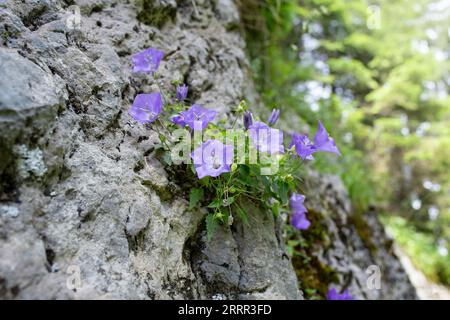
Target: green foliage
(254,177)
(195,196)
(154,15)
(387,99)
(421,248)
(278,70)
(314,276)
(230,192)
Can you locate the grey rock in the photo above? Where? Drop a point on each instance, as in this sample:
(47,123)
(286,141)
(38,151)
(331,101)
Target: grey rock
(98,219)
(29,162)
(357,247)
(245,261)
(28,92)
(227,12)
(9,211)
(88,211)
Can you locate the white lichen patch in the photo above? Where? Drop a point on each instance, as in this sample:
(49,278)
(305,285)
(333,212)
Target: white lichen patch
(30,162)
(9,211)
(219,296)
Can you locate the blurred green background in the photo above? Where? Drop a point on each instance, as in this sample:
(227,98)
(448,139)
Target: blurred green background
(377,74)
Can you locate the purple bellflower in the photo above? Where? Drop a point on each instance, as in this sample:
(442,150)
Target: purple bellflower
(274,116)
(266,139)
(296,202)
(146,107)
(333,294)
(299,220)
(303,146)
(178,120)
(147,61)
(195,114)
(323,142)
(212,158)
(248,119)
(182,92)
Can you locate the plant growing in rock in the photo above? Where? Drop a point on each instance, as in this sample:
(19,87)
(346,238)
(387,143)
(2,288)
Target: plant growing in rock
(240,165)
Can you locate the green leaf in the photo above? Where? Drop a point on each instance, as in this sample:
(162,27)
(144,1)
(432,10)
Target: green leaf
(276,209)
(244,176)
(242,214)
(265,181)
(228,201)
(247,181)
(211,225)
(216,203)
(195,196)
(205,181)
(162,138)
(283,191)
(310,291)
(244,170)
(167,158)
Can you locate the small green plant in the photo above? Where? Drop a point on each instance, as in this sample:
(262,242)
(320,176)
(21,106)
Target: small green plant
(245,163)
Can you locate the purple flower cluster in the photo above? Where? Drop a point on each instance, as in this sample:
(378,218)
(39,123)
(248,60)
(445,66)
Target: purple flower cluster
(333,294)
(270,140)
(147,107)
(213,158)
(322,142)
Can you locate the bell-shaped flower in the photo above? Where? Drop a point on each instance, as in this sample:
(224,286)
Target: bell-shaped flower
(196,114)
(147,61)
(303,146)
(333,294)
(298,219)
(323,142)
(248,119)
(212,158)
(146,107)
(266,139)
(274,116)
(182,92)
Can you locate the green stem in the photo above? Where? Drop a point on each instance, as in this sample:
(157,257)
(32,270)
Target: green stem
(160,89)
(160,134)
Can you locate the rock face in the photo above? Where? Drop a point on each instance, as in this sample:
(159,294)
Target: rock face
(86,211)
(82,214)
(351,251)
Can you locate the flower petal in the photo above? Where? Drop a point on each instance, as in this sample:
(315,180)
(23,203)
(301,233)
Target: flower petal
(323,142)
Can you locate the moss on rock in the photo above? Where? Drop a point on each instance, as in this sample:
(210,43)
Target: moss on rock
(314,276)
(155,13)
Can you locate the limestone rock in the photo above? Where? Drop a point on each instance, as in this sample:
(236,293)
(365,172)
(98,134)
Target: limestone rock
(87,211)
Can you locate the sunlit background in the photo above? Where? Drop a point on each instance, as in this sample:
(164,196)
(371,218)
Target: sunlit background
(377,73)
